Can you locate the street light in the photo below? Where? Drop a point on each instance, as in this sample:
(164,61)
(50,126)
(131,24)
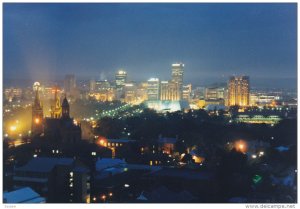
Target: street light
(37,120)
(103,197)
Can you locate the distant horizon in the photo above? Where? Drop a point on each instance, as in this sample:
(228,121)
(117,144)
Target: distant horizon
(263,83)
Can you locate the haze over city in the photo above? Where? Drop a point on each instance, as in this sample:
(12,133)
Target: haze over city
(95,40)
(150,103)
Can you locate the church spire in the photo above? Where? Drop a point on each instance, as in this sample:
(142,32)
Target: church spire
(65,108)
(37,114)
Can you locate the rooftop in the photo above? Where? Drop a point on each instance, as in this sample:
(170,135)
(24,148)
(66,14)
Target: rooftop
(108,163)
(44,164)
(24,195)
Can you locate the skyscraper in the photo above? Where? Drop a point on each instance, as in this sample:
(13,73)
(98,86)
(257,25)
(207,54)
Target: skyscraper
(37,112)
(130,90)
(177,76)
(153,89)
(186,92)
(69,83)
(121,79)
(238,91)
(169,91)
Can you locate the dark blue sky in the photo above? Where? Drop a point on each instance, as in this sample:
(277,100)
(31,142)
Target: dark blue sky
(213,40)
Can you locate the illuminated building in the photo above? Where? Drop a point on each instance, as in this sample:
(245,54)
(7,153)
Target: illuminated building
(186,92)
(169,91)
(104,95)
(102,85)
(167,105)
(259,99)
(63,129)
(253,99)
(257,119)
(69,84)
(130,93)
(177,76)
(37,113)
(11,93)
(56,109)
(153,89)
(198,93)
(214,93)
(121,79)
(166,145)
(238,91)
(141,92)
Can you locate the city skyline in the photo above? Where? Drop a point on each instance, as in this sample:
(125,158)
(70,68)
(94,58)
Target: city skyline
(214,41)
(108,103)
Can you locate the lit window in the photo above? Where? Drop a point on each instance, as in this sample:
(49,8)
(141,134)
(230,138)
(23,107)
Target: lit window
(71,174)
(117,144)
(108,144)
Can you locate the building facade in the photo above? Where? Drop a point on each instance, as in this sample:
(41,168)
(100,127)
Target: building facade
(153,90)
(186,92)
(238,91)
(169,91)
(177,76)
(121,79)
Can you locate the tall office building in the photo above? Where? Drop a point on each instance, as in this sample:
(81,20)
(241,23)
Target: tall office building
(153,89)
(69,83)
(186,92)
(177,76)
(130,90)
(238,91)
(121,78)
(169,91)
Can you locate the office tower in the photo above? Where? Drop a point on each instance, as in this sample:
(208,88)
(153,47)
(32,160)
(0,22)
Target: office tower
(186,92)
(141,92)
(69,83)
(121,78)
(153,89)
(238,91)
(130,90)
(215,93)
(102,85)
(37,113)
(169,91)
(177,76)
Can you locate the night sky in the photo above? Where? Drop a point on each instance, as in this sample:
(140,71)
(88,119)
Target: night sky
(47,41)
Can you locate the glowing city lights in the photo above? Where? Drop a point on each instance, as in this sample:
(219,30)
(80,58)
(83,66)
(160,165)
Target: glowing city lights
(37,120)
(241,146)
